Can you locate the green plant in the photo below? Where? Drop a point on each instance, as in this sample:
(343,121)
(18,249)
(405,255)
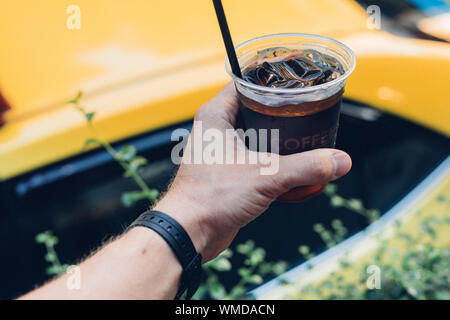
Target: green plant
(420,272)
(331,237)
(305,252)
(126,157)
(48,239)
(252,273)
(131,163)
(352,204)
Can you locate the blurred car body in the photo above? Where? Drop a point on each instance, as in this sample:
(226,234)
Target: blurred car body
(140,73)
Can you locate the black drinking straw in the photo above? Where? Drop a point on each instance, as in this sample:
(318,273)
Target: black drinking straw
(232,58)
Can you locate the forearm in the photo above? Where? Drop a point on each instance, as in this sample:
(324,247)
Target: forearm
(138,265)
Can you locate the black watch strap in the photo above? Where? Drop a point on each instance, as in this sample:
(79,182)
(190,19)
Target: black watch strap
(181,244)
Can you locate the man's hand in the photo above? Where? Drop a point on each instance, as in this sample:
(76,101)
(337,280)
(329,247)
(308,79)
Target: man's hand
(213,201)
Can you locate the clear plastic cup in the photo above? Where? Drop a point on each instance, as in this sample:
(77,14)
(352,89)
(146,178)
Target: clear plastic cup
(307,118)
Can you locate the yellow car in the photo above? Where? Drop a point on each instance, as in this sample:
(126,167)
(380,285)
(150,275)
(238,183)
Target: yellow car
(144,68)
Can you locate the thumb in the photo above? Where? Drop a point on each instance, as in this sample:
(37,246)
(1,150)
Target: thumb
(312,167)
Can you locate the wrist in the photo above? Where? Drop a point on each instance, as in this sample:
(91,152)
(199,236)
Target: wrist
(146,243)
(188,216)
(148,251)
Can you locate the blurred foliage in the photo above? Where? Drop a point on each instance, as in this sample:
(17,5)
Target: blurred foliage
(411,266)
(126,157)
(355,205)
(50,241)
(252,273)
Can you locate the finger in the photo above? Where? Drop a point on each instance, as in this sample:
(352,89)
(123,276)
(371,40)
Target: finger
(312,167)
(228,95)
(223,107)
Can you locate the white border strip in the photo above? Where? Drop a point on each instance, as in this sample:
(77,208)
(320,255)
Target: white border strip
(389,217)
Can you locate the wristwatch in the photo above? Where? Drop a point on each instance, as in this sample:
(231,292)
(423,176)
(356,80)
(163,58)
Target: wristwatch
(180,242)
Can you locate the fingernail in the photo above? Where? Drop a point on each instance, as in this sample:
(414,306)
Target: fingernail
(342,163)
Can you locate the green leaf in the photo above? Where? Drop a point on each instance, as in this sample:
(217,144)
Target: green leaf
(244,272)
(318,228)
(64,267)
(90,141)
(373,215)
(280,267)
(126,153)
(337,224)
(355,204)
(41,237)
(53,270)
(412,291)
(304,250)
(220,264)
(217,291)
(336,201)
(200,293)
(130,198)
(265,268)
(227,253)
(237,292)
(152,195)
(257,256)
(50,257)
(330,189)
(245,248)
(89,116)
(52,241)
(136,163)
(76,99)
(255,279)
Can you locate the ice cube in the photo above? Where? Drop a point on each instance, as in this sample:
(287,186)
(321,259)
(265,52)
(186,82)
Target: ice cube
(270,74)
(287,84)
(333,63)
(273,52)
(316,58)
(296,68)
(299,69)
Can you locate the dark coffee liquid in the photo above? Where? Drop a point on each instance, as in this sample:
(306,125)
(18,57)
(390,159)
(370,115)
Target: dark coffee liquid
(301,127)
(304,126)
